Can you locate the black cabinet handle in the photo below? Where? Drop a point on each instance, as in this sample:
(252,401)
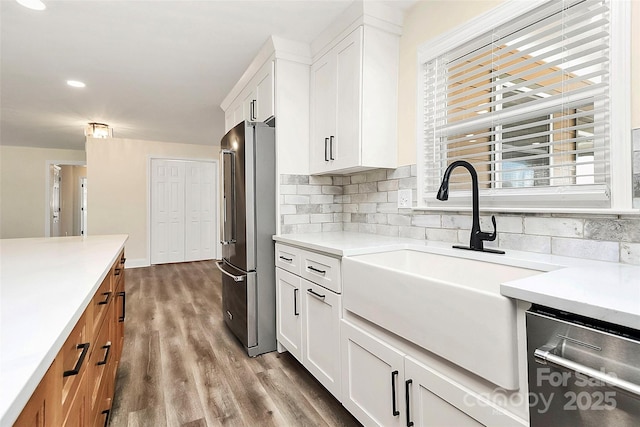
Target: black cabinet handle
(323,272)
(106,412)
(319,296)
(107,346)
(407,387)
(122,260)
(106,299)
(331,147)
(295,302)
(117,272)
(286,259)
(394,408)
(326,143)
(123,295)
(76,369)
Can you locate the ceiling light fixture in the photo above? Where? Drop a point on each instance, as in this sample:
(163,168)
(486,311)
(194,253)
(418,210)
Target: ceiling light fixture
(98,130)
(32,4)
(75,83)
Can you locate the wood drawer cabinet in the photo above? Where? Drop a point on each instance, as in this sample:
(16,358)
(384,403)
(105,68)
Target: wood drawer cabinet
(78,388)
(44,407)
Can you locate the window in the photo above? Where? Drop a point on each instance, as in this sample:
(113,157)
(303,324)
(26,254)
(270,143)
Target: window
(533,104)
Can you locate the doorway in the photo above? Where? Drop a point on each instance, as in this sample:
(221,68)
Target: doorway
(183,210)
(65,214)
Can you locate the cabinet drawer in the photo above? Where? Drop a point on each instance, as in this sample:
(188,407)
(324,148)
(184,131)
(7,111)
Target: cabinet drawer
(100,305)
(100,361)
(74,357)
(288,258)
(117,271)
(321,269)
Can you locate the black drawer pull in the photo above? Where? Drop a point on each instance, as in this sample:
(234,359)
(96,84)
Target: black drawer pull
(106,412)
(123,295)
(407,387)
(123,260)
(286,259)
(323,272)
(106,299)
(319,296)
(107,346)
(117,272)
(394,408)
(295,302)
(76,369)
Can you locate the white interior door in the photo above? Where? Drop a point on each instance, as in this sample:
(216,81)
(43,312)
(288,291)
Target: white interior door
(200,228)
(168,211)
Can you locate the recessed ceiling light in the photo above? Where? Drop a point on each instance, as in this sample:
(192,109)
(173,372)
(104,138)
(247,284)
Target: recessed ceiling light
(33,4)
(75,83)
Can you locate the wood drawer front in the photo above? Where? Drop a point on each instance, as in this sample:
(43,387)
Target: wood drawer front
(288,258)
(321,269)
(117,271)
(74,357)
(100,305)
(43,408)
(99,361)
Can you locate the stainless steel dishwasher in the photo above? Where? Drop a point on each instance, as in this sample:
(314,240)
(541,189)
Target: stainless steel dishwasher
(582,372)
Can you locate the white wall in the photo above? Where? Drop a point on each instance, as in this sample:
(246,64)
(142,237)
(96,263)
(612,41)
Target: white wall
(427,19)
(117,181)
(23,176)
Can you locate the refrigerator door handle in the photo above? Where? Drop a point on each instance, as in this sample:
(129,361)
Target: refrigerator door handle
(226,273)
(229,192)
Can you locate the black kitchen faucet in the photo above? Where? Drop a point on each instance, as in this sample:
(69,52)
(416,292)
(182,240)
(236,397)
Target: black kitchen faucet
(476,241)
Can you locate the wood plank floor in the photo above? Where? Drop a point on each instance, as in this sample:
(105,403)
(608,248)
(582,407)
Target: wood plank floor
(182,367)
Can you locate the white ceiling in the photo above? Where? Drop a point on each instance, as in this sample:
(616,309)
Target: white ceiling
(155,70)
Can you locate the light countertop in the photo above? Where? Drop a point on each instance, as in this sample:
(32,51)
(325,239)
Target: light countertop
(45,285)
(601,290)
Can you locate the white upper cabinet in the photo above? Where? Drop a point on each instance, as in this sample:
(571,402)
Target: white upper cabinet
(354,103)
(256,102)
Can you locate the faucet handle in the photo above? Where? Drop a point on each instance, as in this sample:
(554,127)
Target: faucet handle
(489,236)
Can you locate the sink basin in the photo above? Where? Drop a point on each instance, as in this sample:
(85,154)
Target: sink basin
(448,305)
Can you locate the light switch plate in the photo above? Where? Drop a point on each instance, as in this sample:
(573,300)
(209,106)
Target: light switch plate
(405,198)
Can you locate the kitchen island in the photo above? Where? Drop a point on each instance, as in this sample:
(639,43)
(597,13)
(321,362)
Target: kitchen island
(46,285)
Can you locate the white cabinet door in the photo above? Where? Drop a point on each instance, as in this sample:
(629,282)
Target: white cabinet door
(321,334)
(372,378)
(323,112)
(344,144)
(437,400)
(264,105)
(238,113)
(249,106)
(288,312)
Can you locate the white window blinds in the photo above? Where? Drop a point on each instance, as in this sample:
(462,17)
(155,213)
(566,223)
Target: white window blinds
(527,104)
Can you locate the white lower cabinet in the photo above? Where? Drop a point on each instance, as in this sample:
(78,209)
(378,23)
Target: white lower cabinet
(372,378)
(288,309)
(321,334)
(383,386)
(308,315)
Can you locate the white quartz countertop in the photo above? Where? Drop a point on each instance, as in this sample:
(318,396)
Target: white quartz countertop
(601,290)
(45,285)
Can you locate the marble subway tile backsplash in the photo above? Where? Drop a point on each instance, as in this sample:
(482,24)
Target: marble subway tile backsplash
(367,203)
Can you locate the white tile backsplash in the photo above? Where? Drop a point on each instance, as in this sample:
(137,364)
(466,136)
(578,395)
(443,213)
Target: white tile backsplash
(367,203)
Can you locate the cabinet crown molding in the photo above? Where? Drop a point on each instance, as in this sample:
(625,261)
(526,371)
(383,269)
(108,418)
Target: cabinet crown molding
(275,47)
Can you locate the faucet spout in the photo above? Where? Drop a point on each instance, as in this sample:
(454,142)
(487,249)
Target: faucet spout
(477,236)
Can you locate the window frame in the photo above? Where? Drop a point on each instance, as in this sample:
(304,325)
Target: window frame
(615,198)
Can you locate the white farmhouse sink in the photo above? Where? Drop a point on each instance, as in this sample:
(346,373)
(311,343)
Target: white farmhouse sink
(448,305)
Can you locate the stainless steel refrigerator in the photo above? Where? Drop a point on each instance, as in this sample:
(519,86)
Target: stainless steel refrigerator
(248,224)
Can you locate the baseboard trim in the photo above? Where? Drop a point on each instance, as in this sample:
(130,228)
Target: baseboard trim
(137,263)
